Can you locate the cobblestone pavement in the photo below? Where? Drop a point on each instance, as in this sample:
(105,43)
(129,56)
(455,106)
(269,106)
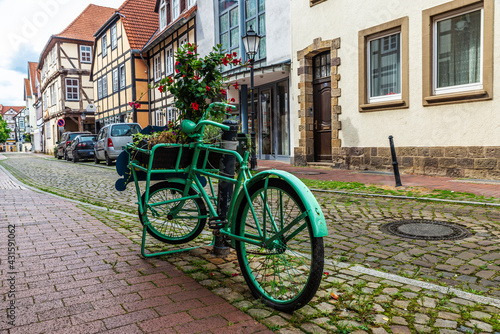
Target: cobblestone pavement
(73,274)
(441,286)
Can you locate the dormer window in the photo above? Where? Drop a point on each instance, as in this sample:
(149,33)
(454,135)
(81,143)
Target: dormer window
(163,15)
(175,9)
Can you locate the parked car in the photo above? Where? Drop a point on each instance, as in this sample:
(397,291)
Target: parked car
(111,139)
(66,140)
(82,148)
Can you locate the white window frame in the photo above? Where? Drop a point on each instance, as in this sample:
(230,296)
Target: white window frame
(114,37)
(53,94)
(123,78)
(169,60)
(176,6)
(457,88)
(115,80)
(72,86)
(157,67)
(99,88)
(191,3)
(53,55)
(48,132)
(159,118)
(183,40)
(171,114)
(84,53)
(104,45)
(105,85)
(383,98)
(163,15)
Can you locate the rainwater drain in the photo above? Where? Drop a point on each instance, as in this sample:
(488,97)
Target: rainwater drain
(422,229)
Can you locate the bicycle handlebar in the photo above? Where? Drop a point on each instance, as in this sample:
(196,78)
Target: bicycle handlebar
(192,129)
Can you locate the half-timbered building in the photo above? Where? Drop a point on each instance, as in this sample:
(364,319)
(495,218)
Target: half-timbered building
(65,64)
(176,26)
(119,72)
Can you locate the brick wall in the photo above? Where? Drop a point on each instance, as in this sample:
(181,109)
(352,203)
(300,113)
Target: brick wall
(478,162)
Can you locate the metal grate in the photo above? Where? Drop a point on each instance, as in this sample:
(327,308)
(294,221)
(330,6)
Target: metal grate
(422,229)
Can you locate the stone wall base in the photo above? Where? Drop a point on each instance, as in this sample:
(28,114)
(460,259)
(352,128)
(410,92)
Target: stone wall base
(476,162)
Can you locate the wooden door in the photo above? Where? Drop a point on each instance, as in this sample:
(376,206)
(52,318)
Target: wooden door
(322,121)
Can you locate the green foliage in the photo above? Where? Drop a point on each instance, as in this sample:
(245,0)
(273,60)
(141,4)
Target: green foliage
(197,81)
(4,130)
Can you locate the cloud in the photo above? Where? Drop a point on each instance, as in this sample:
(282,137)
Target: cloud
(11,87)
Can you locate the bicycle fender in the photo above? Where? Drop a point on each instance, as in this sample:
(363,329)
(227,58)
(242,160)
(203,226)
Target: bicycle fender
(318,222)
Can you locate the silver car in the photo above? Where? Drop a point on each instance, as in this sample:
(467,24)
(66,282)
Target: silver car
(111,139)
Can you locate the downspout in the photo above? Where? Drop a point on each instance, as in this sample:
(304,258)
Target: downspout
(149,91)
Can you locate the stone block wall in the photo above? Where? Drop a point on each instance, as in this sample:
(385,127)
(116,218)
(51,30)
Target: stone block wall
(476,162)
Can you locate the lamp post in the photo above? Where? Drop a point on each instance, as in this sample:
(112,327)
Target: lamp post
(251,43)
(83,117)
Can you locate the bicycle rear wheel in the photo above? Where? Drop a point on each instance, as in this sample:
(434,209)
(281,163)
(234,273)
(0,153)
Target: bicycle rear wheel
(285,273)
(176,222)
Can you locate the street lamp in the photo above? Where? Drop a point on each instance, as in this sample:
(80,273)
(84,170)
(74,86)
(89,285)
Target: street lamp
(251,43)
(83,117)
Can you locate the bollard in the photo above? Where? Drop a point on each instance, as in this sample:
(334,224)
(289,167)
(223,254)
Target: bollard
(225,189)
(395,163)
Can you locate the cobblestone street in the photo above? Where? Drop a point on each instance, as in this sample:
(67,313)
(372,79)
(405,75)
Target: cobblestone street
(374,282)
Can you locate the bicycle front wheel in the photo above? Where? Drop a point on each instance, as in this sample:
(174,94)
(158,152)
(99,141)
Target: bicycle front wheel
(286,272)
(173,220)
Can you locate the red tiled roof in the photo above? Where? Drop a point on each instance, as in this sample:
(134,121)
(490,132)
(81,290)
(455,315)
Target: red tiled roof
(87,23)
(184,15)
(32,66)
(4,109)
(140,21)
(27,87)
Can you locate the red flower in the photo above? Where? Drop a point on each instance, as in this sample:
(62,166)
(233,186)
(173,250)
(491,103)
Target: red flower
(232,99)
(235,274)
(137,105)
(207,89)
(131,104)
(228,109)
(195,105)
(161,88)
(195,77)
(236,61)
(225,61)
(170,80)
(235,54)
(223,91)
(236,85)
(176,64)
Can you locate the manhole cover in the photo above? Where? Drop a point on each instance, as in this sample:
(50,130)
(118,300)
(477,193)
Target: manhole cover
(425,230)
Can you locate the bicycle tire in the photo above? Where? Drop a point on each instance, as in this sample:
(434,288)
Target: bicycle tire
(287,274)
(173,229)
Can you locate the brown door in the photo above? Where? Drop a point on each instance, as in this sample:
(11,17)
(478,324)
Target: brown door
(322,121)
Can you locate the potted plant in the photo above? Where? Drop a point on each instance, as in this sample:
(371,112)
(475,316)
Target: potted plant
(196,82)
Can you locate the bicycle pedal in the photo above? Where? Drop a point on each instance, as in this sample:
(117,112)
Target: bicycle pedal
(216,223)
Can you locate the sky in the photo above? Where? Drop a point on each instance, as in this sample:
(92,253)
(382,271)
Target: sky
(26,27)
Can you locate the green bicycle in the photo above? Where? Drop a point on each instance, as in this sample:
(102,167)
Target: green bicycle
(273,221)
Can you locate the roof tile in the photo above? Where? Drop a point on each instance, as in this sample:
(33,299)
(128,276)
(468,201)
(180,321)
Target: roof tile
(87,23)
(140,21)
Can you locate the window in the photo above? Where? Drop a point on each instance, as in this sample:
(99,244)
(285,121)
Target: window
(114,38)
(175,9)
(255,18)
(53,55)
(115,80)
(104,86)
(191,3)
(383,67)
(72,90)
(229,28)
(99,88)
(104,43)
(123,79)
(157,67)
(183,40)
(85,54)
(52,94)
(458,52)
(48,132)
(163,15)
(171,114)
(159,118)
(169,60)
